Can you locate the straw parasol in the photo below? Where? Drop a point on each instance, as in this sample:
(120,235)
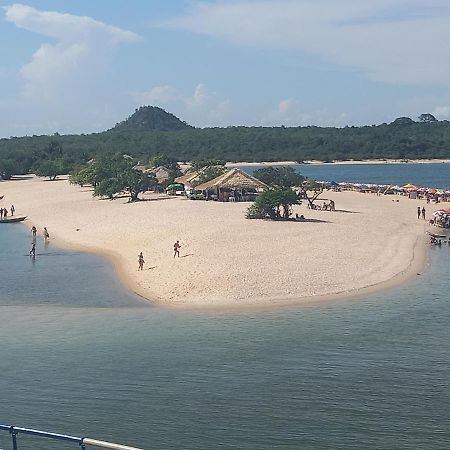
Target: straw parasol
(233,179)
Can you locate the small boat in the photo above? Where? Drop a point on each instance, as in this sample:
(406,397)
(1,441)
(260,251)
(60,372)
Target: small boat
(13,219)
(437,236)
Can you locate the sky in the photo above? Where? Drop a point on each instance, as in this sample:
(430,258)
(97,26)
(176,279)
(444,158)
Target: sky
(81,67)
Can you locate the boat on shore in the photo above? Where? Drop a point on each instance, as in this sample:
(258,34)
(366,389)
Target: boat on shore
(13,219)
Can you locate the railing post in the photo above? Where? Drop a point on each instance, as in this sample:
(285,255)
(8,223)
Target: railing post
(14,437)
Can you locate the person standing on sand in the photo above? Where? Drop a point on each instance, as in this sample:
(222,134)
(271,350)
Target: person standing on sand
(423,213)
(46,235)
(176,249)
(1,213)
(418,212)
(13,210)
(141,261)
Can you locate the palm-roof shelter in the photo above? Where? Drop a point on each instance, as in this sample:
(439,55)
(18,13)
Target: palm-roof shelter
(189,179)
(235,181)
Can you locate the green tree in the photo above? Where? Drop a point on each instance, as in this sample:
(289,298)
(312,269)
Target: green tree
(198,165)
(164,161)
(283,177)
(136,182)
(275,203)
(108,187)
(8,168)
(119,175)
(51,168)
(93,172)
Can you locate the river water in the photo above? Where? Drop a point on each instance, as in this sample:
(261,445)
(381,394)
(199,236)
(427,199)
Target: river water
(435,175)
(81,355)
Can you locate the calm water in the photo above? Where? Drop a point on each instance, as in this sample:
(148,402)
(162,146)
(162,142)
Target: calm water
(429,175)
(80,355)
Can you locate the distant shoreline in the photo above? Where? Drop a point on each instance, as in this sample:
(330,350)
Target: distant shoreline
(336,163)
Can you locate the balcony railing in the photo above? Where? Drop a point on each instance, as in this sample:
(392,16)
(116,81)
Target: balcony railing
(82,442)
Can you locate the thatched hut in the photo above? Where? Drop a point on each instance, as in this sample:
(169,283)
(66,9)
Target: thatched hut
(189,179)
(233,185)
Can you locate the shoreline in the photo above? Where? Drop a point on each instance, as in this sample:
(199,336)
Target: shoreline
(349,260)
(337,163)
(417,265)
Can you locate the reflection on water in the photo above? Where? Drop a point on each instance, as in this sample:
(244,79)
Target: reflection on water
(80,355)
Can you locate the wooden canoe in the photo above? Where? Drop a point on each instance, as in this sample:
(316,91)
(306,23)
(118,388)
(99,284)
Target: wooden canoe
(13,219)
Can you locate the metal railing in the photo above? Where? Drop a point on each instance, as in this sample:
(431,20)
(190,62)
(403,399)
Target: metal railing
(82,442)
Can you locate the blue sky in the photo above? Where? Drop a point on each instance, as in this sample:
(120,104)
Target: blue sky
(79,67)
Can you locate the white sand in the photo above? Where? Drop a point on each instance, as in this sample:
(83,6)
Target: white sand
(227,259)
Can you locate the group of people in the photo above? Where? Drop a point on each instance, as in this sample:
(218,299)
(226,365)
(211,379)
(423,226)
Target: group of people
(421,213)
(176,253)
(45,234)
(437,241)
(330,206)
(4,212)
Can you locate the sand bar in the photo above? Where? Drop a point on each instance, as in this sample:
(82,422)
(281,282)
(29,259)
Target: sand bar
(228,260)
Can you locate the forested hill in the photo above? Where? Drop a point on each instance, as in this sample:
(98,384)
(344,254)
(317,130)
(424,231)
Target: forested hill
(151,118)
(152,131)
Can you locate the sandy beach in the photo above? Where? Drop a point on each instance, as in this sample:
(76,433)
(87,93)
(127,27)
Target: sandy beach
(227,260)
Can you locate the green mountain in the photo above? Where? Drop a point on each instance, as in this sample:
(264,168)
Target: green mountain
(151,118)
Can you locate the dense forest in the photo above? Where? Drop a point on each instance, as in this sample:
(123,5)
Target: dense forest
(152,131)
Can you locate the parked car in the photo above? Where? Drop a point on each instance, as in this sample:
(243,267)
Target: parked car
(196,195)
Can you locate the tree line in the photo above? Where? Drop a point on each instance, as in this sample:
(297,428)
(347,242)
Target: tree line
(401,139)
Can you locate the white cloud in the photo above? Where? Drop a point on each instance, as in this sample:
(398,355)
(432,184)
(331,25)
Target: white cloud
(290,112)
(397,41)
(66,27)
(81,44)
(63,85)
(202,108)
(157,96)
(442,112)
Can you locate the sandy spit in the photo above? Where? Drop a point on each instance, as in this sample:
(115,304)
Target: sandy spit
(226,260)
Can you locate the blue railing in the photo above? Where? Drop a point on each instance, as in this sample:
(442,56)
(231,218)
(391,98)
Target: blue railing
(81,442)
